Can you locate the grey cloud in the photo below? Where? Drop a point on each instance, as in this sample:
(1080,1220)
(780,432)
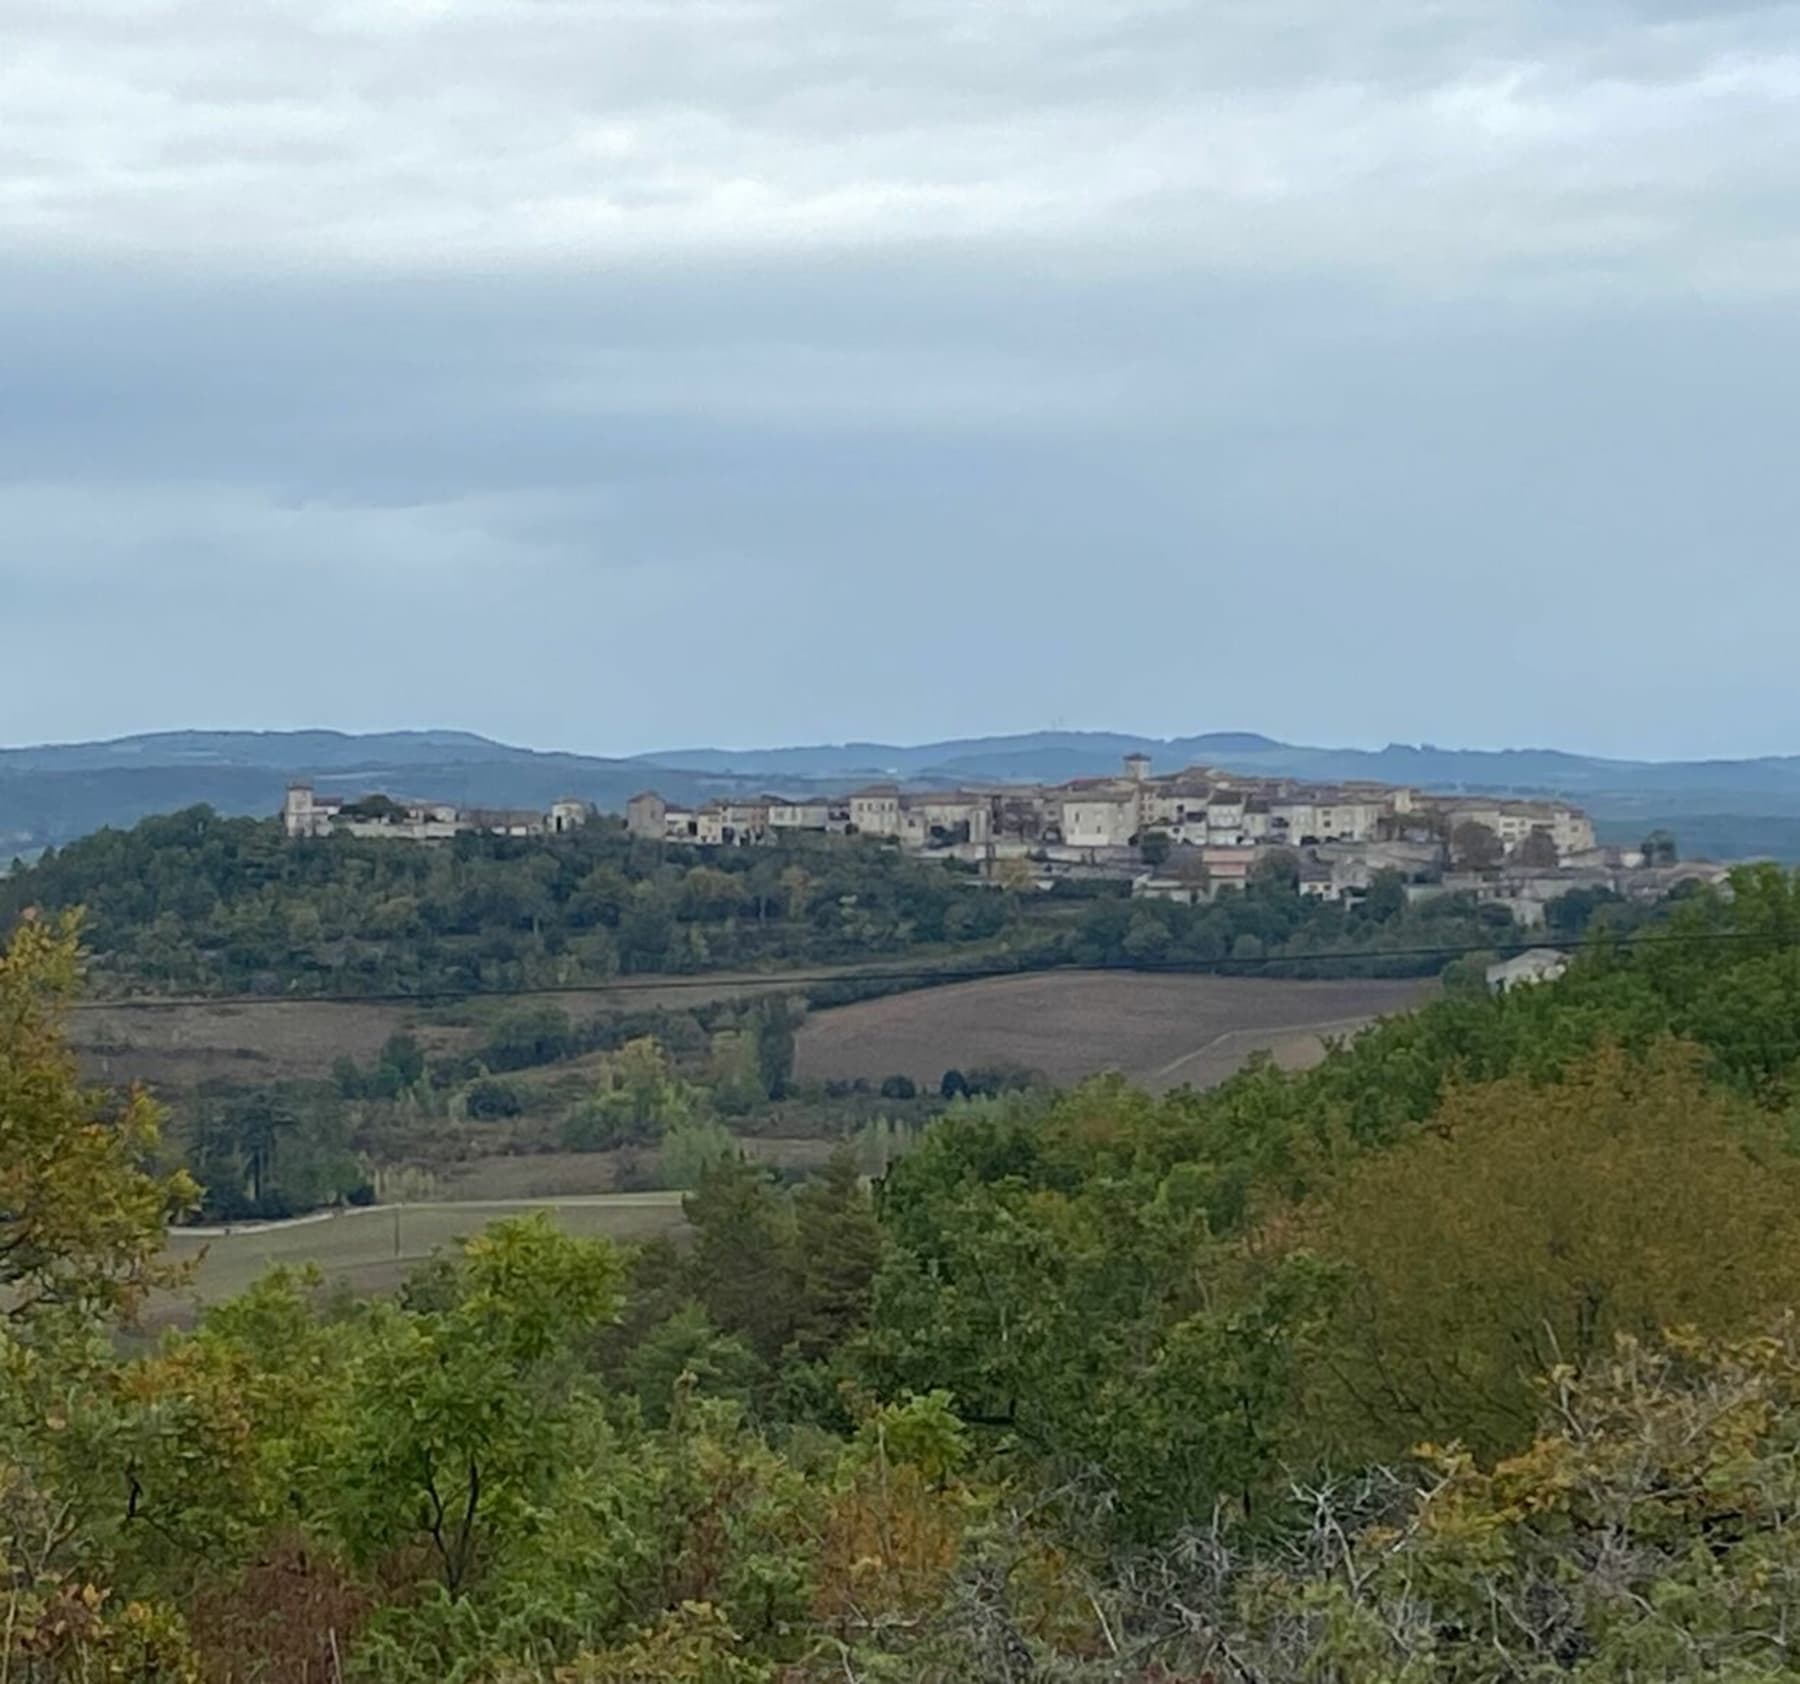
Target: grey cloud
(607,375)
(410,135)
(1324,500)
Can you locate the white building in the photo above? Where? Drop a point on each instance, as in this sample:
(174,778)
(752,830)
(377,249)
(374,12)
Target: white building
(950,818)
(745,821)
(646,815)
(1200,807)
(702,826)
(876,812)
(569,815)
(1225,815)
(1100,821)
(1539,964)
(1292,819)
(1174,803)
(1513,821)
(1320,880)
(1184,890)
(1347,818)
(798,815)
(305,813)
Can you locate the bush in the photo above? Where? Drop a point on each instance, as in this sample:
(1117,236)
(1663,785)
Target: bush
(691,1149)
(899,1087)
(489,1101)
(529,1036)
(991,1080)
(590,1130)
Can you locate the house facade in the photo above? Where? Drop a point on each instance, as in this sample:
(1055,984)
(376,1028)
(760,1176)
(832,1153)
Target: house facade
(306,813)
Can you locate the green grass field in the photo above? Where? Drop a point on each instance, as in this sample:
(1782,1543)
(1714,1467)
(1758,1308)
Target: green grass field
(373,1250)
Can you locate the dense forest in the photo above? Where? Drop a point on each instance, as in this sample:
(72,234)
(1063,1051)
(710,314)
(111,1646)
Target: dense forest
(194,903)
(1467,1355)
(191,902)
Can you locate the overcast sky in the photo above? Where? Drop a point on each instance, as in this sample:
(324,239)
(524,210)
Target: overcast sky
(616,374)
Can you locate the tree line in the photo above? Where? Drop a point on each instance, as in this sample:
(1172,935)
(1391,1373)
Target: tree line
(192,902)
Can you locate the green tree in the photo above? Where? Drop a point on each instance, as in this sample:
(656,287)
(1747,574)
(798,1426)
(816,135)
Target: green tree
(797,885)
(1466,977)
(82,1215)
(837,1246)
(775,1046)
(710,894)
(1474,846)
(692,1644)
(1192,871)
(1040,1268)
(1276,871)
(638,1097)
(263,1121)
(1537,852)
(450,1418)
(527,1036)
(687,1356)
(742,1260)
(1147,940)
(402,1054)
(692,1148)
(1386,899)
(1531,1224)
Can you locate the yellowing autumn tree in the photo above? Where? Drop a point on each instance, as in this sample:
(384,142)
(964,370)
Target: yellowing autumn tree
(82,1219)
(82,1213)
(639,1097)
(1527,1226)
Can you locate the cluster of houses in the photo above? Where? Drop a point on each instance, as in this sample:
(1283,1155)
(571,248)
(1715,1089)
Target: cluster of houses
(1180,837)
(1185,836)
(1198,808)
(307,812)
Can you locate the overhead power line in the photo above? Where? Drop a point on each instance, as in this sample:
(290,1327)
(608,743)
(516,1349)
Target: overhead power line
(793,981)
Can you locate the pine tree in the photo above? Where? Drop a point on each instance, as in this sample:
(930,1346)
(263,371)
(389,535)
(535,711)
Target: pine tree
(743,1255)
(838,1242)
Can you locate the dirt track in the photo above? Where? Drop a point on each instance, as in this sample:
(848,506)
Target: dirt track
(374,1249)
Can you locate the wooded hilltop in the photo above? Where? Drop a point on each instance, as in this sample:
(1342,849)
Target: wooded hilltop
(190,902)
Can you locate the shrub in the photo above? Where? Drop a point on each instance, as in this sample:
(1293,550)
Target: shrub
(488,1100)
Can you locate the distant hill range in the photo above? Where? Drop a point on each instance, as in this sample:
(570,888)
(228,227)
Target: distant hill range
(48,795)
(52,794)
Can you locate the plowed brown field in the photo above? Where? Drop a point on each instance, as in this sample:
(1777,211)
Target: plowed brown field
(1161,1031)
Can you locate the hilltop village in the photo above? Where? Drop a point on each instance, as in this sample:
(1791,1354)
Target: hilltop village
(1184,836)
(1188,835)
